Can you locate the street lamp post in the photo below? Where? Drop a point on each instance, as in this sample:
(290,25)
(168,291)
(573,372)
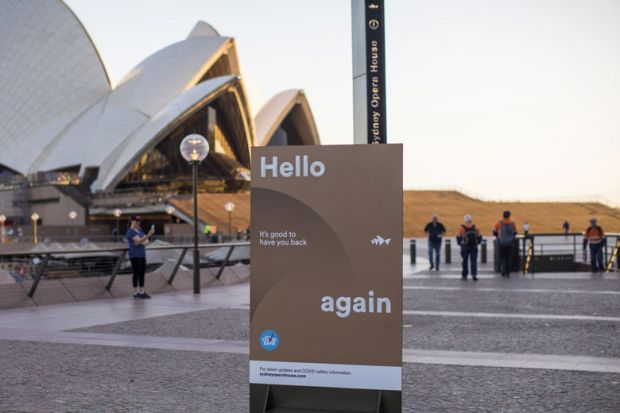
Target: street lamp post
(2,220)
(117,214)
(170,211)
(35,217)
(194,149)
(72,216)
(229,206)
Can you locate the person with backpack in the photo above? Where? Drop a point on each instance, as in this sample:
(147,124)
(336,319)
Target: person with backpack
(596,237)
(565,227)
(468,237)
(435,231)
(506,232)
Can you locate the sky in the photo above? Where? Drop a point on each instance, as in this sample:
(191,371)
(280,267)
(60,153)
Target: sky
(502,99)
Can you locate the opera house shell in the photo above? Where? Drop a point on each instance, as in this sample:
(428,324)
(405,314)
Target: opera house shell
(64,122)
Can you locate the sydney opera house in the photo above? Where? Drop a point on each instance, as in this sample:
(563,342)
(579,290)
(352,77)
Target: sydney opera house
(71,139)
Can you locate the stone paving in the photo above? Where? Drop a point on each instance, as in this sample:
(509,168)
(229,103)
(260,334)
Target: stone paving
(222,324)
(75,378)
(93,371)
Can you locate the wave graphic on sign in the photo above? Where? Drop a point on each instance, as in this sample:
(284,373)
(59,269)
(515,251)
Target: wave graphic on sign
(379,240)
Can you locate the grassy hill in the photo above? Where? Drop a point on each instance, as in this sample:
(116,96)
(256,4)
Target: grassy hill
(450,206)
(542,217)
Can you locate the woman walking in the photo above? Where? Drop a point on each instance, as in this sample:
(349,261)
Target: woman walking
(136,239)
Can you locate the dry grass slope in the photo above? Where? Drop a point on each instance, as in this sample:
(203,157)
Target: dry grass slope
(542,217)
(450,206)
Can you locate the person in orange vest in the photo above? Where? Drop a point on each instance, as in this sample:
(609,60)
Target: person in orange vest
(506,232)
(207,231)
(596,237)
(468,237)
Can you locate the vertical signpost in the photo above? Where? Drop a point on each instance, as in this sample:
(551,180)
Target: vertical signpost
(326,285)
(369,106)
(326,289)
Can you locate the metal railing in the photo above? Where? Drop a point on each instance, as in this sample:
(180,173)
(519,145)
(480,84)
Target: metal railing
(561,244)
(12,238)
(532,247)
(71,262)
(613,258)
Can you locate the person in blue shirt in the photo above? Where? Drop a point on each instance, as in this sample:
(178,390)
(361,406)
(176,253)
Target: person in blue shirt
(435,231)
(137,240)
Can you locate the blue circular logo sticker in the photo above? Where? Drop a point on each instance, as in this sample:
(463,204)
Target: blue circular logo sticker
(269,340)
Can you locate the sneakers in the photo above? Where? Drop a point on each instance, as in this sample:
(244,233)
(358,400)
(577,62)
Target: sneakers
(475,278)
(142,296)
(431,267)
(136,296)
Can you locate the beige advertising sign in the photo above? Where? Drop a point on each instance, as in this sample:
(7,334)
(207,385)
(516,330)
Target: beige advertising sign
(326,285)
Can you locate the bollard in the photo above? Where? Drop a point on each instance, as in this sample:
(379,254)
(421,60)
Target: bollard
(448,251)
(412,251)
(483,252)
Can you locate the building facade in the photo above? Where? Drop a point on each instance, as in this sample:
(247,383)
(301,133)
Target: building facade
(99,146)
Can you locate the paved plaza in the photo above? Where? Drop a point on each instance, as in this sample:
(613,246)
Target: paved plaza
(535,343)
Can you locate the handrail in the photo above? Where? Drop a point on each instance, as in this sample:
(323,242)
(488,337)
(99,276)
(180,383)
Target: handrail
(614,256)
(528,260)
(41,267)
(562,234)
(121,249)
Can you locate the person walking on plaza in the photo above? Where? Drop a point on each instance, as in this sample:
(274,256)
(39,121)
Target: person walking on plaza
(565,227)
(526,228)
(506,232)
(137,240)
(435,231)
(468,237)
(596,237)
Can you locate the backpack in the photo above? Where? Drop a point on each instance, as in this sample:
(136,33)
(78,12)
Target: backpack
(599,231)
(470,236)
(506,234)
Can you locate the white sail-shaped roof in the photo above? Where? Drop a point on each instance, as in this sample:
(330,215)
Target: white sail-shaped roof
(50,73)
(59,112)
(184,105)
(289,103)
(146,90)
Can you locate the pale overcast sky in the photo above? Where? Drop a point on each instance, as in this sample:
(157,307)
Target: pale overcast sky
(502,98)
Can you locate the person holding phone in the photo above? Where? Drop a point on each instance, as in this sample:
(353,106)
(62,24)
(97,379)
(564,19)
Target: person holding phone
(137,240)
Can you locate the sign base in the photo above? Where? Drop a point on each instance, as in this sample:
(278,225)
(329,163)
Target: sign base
(267,398)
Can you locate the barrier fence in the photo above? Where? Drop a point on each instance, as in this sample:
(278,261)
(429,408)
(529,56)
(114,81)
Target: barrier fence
(116,238)
(564,252)
(540,252)
(40,263)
